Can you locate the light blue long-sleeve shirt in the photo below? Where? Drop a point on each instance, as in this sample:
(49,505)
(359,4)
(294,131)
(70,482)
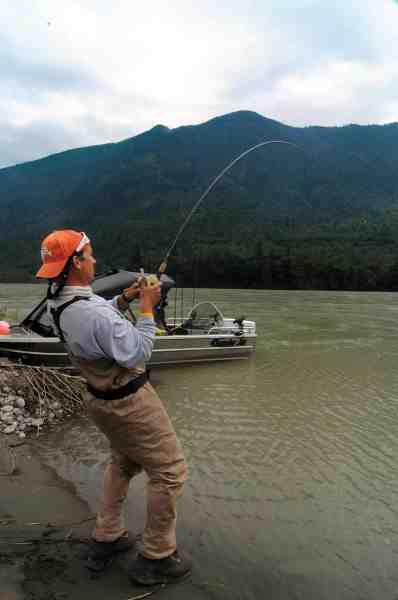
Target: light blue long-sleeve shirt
(96,328)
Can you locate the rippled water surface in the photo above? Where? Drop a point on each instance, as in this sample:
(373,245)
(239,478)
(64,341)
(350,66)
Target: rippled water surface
(293,489)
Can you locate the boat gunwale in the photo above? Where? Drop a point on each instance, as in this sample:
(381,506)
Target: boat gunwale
(55,340)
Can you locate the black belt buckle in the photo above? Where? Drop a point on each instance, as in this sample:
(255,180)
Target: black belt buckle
(130,388)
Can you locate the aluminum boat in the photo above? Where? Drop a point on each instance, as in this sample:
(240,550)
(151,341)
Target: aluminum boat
(205,335)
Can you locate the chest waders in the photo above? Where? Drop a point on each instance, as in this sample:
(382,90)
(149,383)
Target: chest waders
(129,388)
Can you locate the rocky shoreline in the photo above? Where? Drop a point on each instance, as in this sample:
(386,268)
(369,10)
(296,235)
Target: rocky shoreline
(15,417)
(35,398)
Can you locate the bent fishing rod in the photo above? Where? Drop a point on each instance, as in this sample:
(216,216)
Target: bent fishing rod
(163,265)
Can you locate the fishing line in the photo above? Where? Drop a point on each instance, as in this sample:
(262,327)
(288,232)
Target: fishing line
(163,265)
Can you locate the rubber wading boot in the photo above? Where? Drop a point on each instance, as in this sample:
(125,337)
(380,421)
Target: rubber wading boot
(146,571)
(100,554)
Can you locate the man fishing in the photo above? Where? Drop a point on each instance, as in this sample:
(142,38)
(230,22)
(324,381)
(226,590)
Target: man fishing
(111,353)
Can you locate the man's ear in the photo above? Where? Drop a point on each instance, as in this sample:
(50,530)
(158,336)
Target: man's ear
(76,262)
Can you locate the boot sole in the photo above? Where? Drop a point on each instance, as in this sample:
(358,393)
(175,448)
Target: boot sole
(160,580)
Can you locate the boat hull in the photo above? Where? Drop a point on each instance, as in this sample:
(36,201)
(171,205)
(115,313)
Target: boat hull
(168,350)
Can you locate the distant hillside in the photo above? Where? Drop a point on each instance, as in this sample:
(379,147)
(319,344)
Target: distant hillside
(323,216)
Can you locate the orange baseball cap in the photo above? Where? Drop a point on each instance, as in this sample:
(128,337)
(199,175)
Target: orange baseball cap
(57,248)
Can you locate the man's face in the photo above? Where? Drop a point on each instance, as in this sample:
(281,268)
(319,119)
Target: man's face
(87,265)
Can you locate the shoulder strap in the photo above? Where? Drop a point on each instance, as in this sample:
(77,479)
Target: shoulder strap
(56,314)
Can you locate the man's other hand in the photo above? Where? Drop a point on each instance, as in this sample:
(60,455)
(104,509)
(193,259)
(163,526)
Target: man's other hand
(133,291)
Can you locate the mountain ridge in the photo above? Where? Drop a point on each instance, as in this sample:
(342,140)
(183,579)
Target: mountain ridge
(134,194)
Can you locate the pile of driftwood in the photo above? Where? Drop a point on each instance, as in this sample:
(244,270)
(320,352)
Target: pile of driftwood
(34,398)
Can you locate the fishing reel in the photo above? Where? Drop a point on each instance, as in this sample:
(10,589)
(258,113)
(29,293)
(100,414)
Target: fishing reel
(147,280)
(144,281)
(151,280)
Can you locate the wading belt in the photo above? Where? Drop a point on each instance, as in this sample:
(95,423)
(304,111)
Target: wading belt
(130,388)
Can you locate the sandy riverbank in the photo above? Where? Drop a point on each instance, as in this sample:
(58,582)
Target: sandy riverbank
(44,529)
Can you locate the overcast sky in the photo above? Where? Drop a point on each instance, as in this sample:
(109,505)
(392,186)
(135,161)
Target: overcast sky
(80,72)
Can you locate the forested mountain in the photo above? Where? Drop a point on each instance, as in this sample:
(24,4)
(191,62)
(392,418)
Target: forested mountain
(324,215)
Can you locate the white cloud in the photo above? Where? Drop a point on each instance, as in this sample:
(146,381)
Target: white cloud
(90,71)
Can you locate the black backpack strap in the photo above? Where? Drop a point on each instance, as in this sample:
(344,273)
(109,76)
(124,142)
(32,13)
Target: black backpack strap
(56,314)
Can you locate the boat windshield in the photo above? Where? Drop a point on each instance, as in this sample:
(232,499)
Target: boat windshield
(204,316)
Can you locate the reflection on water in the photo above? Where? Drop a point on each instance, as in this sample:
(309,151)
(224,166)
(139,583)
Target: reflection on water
(293,489)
